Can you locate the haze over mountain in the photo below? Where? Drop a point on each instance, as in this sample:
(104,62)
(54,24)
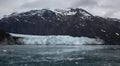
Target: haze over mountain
(74,22)
(105,8)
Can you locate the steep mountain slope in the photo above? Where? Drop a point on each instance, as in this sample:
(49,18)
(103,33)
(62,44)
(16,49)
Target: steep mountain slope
(74,22)
(6,38)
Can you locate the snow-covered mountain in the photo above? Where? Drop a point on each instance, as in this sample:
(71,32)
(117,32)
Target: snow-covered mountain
(74,22)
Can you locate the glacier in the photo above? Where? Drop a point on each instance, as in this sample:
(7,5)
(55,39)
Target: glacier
(56,39)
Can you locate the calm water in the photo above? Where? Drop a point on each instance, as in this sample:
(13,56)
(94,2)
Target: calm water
(59,55)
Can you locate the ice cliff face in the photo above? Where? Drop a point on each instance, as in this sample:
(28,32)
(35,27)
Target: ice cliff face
(56,40)
(73,22)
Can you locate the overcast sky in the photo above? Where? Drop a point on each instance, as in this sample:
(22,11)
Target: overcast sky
(106,8)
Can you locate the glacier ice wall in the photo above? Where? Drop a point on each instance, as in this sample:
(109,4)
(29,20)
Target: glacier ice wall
(56,39)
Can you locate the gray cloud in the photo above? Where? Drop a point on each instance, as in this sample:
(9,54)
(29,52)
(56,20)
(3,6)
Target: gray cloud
(9,6)
(47,4)
(107,8)
(85,3)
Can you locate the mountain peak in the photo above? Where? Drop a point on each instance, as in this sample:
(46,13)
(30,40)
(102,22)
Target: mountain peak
(74,11)
(65,12)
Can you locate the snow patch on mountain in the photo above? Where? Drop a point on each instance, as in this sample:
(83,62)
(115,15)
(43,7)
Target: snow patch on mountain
(64,11)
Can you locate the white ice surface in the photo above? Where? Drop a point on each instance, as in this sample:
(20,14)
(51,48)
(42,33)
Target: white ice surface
(56,39)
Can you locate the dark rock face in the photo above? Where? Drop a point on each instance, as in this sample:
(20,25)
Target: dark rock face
(74,22)
(6,38)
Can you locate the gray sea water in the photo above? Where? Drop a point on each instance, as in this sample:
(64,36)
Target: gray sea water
(59,55)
